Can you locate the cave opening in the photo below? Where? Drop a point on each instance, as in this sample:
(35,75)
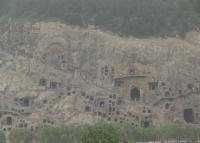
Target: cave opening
(146,124)
(189,115)
(9,120)
(135,94)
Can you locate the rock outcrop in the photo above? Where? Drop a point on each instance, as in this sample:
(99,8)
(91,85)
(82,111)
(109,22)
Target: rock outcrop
(52,74)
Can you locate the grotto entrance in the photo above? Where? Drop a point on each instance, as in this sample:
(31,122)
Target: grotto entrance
(9,121)
(135,94)
(189,115)
(26,102)
(146,124)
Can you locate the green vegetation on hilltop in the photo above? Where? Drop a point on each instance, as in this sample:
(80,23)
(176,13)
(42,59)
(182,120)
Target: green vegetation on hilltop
(140,18)
(196,5)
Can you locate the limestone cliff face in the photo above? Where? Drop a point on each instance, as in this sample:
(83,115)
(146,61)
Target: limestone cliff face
(52,73)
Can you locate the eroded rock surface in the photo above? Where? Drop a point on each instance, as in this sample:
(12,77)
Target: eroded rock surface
(52,74)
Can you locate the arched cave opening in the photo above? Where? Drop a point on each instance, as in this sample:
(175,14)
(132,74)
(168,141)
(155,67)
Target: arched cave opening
(135,94)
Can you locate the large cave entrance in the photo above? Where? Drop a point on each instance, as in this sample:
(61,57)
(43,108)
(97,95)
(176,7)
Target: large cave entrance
(135,94)
(146,124)
(9,121)
(189,115)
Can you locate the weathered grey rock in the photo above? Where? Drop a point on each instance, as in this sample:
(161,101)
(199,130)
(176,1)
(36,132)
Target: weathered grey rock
(52,73)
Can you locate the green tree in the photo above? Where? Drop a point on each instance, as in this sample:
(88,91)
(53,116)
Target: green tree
(21,136)
(100,133)
(65,134)
(2,137)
